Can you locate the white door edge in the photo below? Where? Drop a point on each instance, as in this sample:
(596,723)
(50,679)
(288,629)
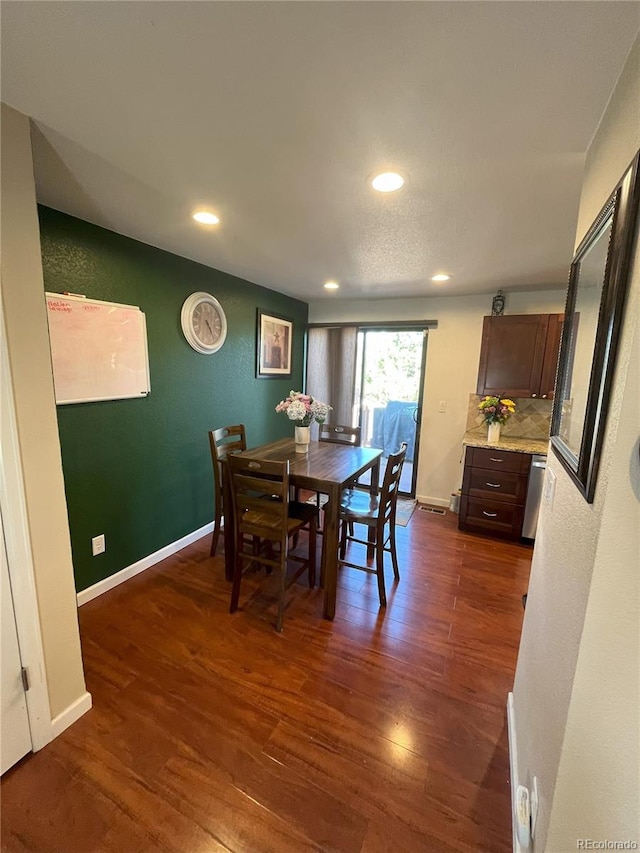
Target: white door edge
(19,554)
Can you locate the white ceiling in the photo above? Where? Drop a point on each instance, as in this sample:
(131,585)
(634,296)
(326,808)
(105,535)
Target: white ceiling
(274,114)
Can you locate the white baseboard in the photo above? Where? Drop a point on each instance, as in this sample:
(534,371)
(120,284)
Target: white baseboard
(425,499)
(131,571)
(513,768)
(70,715)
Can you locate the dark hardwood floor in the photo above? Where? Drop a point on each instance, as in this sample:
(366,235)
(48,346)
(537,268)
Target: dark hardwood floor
(382,732)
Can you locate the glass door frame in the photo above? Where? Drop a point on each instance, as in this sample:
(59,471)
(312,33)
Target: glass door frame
(401,327)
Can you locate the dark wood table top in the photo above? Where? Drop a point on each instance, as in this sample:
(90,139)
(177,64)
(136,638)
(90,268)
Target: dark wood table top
(325,464)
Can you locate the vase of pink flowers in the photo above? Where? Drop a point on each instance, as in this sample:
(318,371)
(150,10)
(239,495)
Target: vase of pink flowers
(496,411)
(303,410)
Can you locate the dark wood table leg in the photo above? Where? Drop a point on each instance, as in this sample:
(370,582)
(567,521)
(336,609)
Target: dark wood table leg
(371,531)
(229,539)
(330,552)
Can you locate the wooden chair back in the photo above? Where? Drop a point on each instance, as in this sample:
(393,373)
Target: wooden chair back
(263,513)
(391,486)
(377,514)
(339,434)
(223,441)
(260,491)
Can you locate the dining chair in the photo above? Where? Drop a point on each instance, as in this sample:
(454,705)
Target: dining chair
(377,513)
(223,441)
(263,511)
(337,434)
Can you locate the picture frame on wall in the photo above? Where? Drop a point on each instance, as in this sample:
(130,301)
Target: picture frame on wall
(274,335)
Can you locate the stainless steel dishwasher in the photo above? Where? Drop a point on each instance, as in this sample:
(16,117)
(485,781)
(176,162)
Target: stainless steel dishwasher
(534,496)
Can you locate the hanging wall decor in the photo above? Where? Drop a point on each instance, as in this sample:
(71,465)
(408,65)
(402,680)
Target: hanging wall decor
(497,306)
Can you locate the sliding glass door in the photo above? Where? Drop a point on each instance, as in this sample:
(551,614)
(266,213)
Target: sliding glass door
(388,393)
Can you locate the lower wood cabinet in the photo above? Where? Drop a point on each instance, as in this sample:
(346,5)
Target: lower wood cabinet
(494,491)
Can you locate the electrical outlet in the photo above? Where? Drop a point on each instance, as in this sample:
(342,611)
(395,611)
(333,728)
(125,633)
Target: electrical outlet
(98,545)
(442,407)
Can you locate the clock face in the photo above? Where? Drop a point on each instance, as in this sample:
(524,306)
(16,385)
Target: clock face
(204,323)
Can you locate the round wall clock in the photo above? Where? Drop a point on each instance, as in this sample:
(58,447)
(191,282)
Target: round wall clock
(204,323)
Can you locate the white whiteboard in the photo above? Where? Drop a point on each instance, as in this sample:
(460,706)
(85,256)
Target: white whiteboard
(98,349)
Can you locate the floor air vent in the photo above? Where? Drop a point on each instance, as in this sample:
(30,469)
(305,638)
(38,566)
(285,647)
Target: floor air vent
(434,509)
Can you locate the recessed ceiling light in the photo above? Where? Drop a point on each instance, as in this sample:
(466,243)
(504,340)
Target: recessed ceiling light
(387,182)
(206,217)
(331,285)
(440,277)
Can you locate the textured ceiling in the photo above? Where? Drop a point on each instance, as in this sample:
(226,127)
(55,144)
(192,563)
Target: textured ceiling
(274,114)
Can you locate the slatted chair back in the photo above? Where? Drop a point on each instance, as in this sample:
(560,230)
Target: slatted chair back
(339,434)
(261,497)
(379,515)
(390,486)
(264,517)
(223,441)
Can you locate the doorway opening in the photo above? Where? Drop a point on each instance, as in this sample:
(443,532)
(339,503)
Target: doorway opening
(388,390)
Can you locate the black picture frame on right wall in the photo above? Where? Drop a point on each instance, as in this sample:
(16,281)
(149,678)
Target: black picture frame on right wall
(598,284)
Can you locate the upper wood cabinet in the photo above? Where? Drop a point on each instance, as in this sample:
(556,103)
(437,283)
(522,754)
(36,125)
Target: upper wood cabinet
(551,351)
(519,355)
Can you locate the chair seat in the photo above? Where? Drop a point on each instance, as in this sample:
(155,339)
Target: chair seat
(263,524)
(360,505)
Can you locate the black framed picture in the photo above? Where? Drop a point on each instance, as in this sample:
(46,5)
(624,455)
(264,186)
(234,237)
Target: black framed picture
(598,283)
(274,336)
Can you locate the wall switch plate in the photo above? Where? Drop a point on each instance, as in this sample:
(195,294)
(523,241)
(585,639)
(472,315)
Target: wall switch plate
(534,805)
(98,545)
(523,817)
(442,407)
(549,487)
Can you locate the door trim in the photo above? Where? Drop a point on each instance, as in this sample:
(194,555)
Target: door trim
(18,544)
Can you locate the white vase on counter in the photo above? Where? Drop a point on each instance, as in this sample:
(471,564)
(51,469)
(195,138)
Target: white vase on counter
(493,433)
(302,438)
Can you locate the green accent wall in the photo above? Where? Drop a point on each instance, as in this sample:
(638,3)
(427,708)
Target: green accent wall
(139,470)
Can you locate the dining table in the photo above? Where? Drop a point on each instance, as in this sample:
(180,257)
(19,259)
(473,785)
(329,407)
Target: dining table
(326,468)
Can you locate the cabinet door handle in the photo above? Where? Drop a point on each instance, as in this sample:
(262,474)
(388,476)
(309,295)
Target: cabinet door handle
(493,485)
(495,460)
(489,514)
(534,395)
(544,396)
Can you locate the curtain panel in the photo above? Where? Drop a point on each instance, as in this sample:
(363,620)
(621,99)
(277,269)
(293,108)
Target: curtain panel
(331,370)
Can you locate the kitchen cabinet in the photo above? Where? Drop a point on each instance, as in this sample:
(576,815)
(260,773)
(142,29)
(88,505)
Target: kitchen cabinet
(494,492)
(519,355)
(551,350)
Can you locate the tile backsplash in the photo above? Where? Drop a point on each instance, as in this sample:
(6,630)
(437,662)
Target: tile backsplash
(532,418)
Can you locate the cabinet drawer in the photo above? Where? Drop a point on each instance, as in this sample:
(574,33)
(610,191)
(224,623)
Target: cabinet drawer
(495,485)
(498,460)
(491,516)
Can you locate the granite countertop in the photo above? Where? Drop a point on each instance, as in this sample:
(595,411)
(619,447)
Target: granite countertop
(516,445)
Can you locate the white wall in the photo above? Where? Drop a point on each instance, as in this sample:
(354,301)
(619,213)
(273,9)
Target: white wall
(576,688)
(36,425)
(453,354)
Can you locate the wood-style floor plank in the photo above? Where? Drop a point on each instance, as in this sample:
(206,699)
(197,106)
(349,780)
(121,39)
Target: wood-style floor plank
(381,731)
